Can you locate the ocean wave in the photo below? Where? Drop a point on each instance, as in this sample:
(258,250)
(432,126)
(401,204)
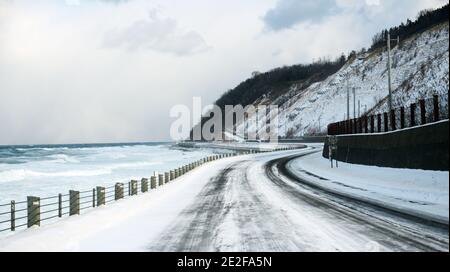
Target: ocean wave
(21,174)
(62,158)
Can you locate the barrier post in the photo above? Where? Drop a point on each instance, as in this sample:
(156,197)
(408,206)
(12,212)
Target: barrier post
(160,179)
(402,117)
(166,177)
(360,121)
(118,191)
(13,215)
(436,108)
(386,122)
(412,122)
(393,121)
(144,185)
(100,195)
(74,200)
(366,124)
(93,197)
(152,182)
(33,211)
(379,122)
(134,187)
(423,118)
(59,205)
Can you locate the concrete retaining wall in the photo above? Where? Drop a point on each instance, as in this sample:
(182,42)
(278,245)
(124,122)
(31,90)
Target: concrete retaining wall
(424,147)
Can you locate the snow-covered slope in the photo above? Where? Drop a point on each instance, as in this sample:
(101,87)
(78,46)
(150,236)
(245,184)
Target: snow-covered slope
(420,68)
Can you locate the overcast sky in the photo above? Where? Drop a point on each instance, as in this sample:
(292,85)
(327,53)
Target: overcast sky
(77,71)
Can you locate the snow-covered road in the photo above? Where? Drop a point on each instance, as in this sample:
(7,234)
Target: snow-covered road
(250,206)
(244,203)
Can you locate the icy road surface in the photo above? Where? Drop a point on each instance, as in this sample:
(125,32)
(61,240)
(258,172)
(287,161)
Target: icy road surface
(244,203)
(249,206)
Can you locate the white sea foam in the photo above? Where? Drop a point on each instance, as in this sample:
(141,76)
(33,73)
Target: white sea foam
(62,158)
(40,172)
(21,174)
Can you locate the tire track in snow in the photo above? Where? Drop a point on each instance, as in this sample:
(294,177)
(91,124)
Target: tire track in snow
(393,230)
(228,215)
(235,211)
(193,229)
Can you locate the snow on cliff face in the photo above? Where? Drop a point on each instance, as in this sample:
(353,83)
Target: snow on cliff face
(420,68)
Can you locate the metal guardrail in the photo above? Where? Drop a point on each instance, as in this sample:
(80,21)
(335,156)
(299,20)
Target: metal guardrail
(424,112)
(34,210)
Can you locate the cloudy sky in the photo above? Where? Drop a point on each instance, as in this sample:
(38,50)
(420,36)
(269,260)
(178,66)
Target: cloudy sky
(76,71)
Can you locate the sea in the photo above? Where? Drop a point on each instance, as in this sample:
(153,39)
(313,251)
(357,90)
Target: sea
(47,170)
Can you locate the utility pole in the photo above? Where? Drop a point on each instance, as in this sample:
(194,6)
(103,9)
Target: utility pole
(390,67)
(348,102)
(359,108)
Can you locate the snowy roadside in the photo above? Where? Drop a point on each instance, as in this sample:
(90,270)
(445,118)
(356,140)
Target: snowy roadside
(417,192)
(125,225)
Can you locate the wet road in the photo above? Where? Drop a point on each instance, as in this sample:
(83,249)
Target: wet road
(255,205)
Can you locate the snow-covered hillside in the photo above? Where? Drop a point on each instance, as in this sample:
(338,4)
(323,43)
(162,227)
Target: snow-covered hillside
(420,68)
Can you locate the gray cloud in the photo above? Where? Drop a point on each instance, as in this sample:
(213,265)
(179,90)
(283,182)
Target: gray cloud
(158,34)
(287,13)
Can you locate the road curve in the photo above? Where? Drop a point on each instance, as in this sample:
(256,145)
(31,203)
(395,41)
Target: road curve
(254,205)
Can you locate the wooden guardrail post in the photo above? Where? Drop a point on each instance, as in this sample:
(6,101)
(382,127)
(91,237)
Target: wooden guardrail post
(74,202)
(423,119)
(144,185)
(402,117)
(153,182)
(13,215)
(386,122)
(33,211)
(435,108)
(412,121)
(160,180)
(172,175)
(100,195)
(166,177)
(93,198)
(118,191)
(59,205)
(134,187)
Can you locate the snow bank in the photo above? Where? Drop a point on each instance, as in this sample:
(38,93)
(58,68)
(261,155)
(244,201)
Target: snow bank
(418,192)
